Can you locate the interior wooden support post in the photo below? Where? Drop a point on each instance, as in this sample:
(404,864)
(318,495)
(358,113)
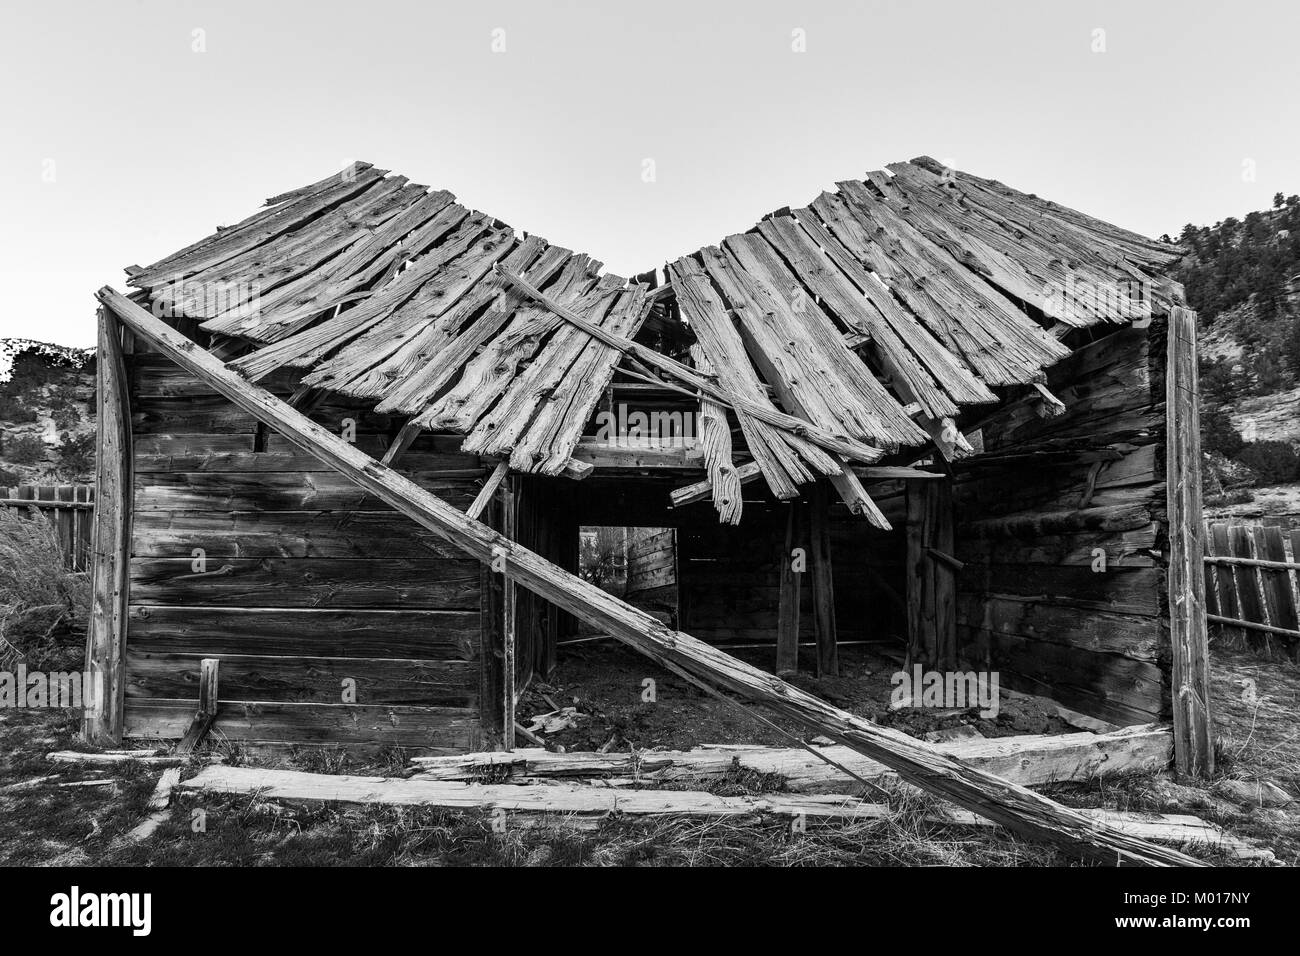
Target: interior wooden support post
(1019,808)
(931,581)
(823,585)
(792,564)
(106,637)
(1193,738)
(509,666)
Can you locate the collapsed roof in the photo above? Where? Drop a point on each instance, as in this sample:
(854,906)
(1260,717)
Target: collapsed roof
(871,316)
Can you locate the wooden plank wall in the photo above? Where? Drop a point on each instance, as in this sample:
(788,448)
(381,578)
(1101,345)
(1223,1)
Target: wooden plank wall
(294,578)
(651,559)
(1034,601)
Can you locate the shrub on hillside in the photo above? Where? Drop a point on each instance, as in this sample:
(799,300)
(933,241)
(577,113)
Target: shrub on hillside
(76,454)
(24,450)
(1275,462)
(13,410)
(1218,433)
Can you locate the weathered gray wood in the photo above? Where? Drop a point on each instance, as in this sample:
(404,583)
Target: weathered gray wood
(787,627)
(845,446)
(1029,760)
(509,627)
(433,583)
(109,589)
(256,722)
(1193,729)
(1013,806)
(305,632)
(823,584)
(307,679)
(488,490)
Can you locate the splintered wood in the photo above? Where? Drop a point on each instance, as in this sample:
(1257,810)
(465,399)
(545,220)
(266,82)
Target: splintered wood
(1029,760)
(859,324)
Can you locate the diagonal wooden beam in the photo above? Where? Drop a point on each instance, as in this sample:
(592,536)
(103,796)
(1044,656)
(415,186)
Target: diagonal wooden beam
(489,489)
(1011,805)
(405,438)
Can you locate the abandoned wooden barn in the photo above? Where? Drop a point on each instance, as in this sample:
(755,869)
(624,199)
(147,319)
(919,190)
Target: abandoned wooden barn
(950,395)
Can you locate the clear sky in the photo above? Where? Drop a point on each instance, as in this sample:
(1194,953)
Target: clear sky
(129,128)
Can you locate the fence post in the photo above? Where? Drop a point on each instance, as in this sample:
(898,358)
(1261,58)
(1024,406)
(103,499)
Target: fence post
(106,636)
(1193,742)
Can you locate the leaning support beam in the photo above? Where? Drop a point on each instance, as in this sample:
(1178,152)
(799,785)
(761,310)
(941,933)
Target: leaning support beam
(161,798)
(106,639)
(1193,739)
(489,489)
(404,440)
(1013,806)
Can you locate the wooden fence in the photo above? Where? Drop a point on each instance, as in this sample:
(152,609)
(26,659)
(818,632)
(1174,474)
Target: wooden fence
(1251,584)
(69,508)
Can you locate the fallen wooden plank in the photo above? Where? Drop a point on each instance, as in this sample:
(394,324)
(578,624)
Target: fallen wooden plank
(293,786)
(1014,806)
(582,805)
(144,757)
(1030,760)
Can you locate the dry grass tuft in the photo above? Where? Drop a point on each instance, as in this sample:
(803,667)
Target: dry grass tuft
(42,604)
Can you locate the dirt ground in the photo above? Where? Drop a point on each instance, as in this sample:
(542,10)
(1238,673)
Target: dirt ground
(603,680)
(62,814)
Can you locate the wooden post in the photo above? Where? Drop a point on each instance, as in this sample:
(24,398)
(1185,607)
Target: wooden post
(931,576)
(509,528)
(1193,741)
(916,762)
(823,585)
(106,637)
(787,624)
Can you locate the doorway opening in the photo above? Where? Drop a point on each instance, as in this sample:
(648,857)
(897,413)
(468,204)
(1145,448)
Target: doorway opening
(637,564)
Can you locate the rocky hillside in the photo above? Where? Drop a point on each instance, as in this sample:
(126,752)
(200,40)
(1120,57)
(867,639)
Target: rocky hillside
(47,422)
(1243,279)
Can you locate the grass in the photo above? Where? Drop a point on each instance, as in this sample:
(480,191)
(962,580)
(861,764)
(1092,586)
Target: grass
(42,604)
(45,823)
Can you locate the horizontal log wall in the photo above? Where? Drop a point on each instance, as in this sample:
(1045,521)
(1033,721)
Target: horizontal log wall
(305,584)
(1062,531)
(651,560)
